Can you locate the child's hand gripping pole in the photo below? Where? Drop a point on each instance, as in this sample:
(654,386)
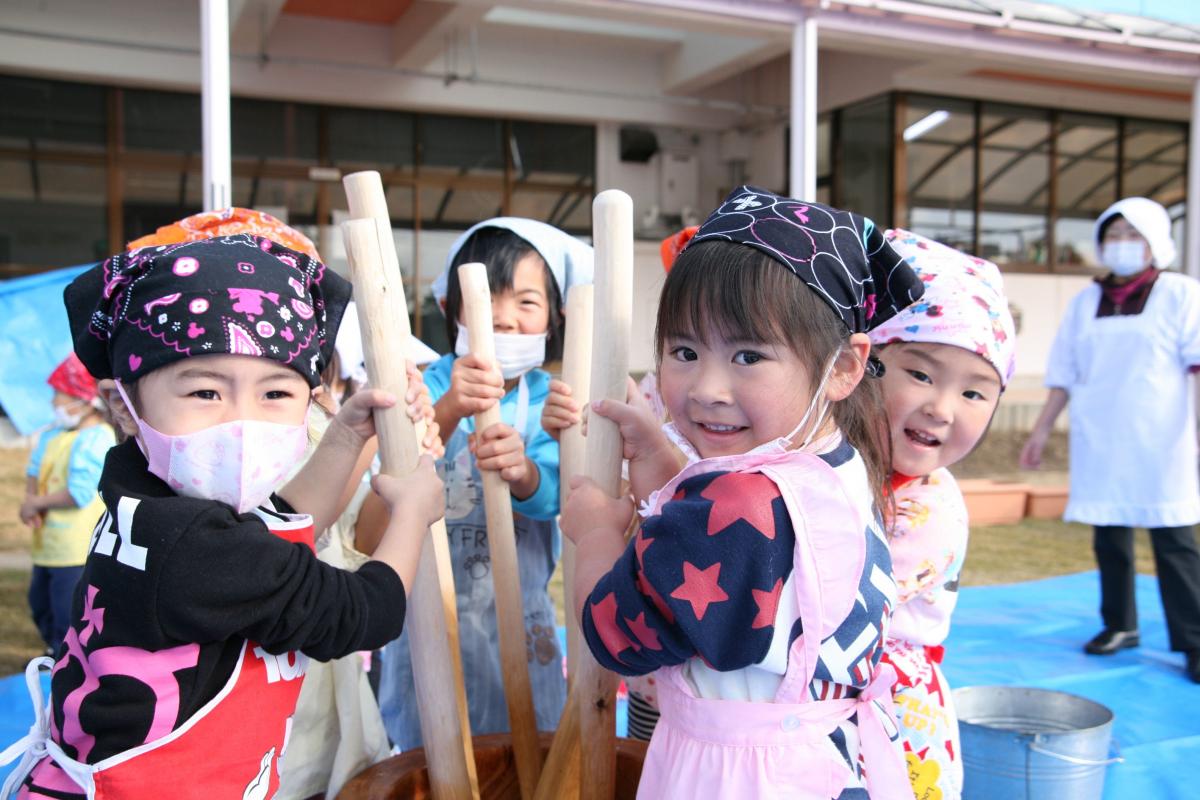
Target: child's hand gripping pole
(502,546)
(432,619)
(594,687)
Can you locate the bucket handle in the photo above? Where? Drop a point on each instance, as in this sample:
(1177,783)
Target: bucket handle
(1086,762)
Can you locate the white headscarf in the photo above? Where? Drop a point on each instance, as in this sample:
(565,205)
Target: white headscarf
(349,347)
(570,260)
(1149,219)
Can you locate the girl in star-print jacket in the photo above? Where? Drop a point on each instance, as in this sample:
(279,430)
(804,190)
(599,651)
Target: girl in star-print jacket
(760,583)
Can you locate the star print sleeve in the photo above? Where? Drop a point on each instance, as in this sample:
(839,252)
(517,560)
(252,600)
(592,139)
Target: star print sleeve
(701,579)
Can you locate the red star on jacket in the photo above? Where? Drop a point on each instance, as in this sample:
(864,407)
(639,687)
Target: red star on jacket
(741,495)
(604,617)
(644,633)
(768,603)
(640,545)
(644,586)
(700,588)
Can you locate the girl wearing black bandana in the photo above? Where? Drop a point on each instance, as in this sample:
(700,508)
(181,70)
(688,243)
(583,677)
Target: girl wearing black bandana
(759,585)
(201,600)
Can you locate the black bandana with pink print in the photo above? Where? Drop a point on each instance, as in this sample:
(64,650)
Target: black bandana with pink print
(235,295)
(840,255)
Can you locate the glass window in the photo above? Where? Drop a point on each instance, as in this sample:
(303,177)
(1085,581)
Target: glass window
(548,151)
(468,144)
(51,215)
(865,173)
(1015,183)
(825,159)
(553,168)
(265,129)
(1154,162)
(53,115)
(1154,165)
(940,138)
(1086,183)
(294,201)
(460,204)
(361,137)
(153,198)
(162,121)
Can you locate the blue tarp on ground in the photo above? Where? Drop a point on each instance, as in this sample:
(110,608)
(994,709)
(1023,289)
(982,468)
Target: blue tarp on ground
(1031,634)
(1028,634)
(34,339)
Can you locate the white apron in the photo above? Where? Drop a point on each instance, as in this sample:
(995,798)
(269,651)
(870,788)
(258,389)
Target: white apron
(1133,430)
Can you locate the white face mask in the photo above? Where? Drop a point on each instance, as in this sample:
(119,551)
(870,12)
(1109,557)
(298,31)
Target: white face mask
(238,463)
(63,417)
(516,353)
(1124,258)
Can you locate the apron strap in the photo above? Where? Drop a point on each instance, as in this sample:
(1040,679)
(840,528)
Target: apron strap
(37,744)
(886,771)
(522,419)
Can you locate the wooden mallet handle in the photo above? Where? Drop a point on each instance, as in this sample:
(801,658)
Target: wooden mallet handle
(572,452)
(560,777)
(502,546)
(432,622)
(612,224)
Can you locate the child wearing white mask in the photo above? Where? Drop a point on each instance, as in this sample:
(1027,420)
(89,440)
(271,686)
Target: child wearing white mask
(201,600)
(61,504)
(530,267)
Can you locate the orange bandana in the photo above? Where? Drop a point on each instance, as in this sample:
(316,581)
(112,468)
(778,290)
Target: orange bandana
(228,222)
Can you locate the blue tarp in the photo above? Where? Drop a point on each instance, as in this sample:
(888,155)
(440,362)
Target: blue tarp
(34,339)
(1031,634)
(1028,634)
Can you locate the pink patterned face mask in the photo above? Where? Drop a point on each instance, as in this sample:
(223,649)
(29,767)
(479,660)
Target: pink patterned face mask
(238,463)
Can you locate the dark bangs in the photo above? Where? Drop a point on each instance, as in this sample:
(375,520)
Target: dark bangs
(741,294)
(711,287)
(500,249)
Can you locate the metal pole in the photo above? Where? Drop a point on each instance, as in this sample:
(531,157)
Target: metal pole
(214,100)
(803,178)
(1191,234)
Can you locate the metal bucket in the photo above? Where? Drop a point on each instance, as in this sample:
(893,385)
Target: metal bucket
(1032,744)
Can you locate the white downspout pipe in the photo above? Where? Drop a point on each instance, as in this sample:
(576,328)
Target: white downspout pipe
(214,100)
(802,183)
(1191,228)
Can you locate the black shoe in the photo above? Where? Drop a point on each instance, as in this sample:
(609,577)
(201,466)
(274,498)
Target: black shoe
(1193,665)
(1108,642)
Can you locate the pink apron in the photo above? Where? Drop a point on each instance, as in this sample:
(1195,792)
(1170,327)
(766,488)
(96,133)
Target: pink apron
(782,749)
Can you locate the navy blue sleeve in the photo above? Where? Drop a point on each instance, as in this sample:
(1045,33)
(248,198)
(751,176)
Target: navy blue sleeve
(701,579)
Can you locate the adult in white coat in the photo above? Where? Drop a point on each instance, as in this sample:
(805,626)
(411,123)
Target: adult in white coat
(1123,359)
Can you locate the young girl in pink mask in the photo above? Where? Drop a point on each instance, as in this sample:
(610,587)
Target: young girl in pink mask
(947,359)
(759,585)
(201,600)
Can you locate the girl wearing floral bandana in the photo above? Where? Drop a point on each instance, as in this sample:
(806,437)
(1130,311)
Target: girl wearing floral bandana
(759,585)
(201,600)
(947,359)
